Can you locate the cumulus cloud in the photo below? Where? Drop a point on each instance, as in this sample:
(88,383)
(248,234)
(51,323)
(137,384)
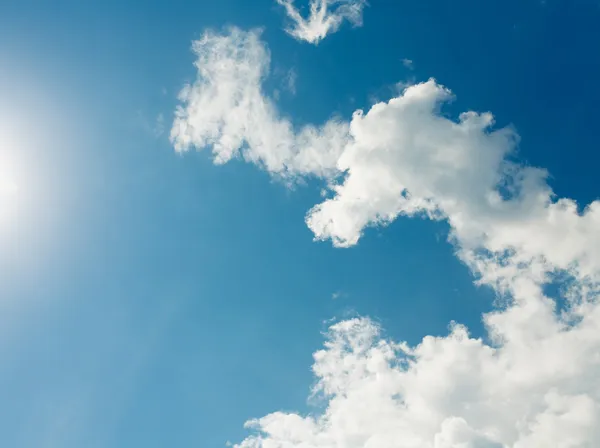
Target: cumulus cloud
(536,382)
(400,158)
(325,17)
(450,392)
(226,109)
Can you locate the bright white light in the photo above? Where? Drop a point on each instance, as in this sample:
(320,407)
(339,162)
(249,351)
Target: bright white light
(9,201)
(8,187)
(9,174)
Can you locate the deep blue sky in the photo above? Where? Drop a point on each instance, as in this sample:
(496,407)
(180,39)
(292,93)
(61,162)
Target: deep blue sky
(149,299)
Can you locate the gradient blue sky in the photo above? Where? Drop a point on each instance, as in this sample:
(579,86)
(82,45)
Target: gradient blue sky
(151,299)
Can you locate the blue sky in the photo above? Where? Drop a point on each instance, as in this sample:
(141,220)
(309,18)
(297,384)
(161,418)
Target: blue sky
(152,298)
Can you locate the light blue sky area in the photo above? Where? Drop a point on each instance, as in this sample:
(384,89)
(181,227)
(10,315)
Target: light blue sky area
(150,299)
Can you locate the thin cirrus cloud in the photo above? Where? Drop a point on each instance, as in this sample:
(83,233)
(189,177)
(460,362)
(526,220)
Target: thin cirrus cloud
(408,63)
(537,382)
(325,17)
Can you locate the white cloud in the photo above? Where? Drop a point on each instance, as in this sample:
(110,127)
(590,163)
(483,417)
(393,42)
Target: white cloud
(290,81)
(450,392)
(338,295)
(325,17)
(401,158)
(538,383)
(408,63)
(226,109)
(404,158)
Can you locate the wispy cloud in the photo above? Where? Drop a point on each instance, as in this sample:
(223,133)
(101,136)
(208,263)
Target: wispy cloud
(408,63)
(538,384)
(325,17)
(226,110)
(338,295)
(289,81)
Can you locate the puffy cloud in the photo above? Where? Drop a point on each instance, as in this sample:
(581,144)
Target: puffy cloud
(536,382)
(449,392)
(404,159)
(226,109)
(400,158)
(325,17)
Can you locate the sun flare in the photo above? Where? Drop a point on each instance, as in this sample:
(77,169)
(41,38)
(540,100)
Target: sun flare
(8,187)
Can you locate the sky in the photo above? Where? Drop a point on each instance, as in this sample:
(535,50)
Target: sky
(309,223)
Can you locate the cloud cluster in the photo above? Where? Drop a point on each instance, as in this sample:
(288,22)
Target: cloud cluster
(536,383)
(325,17)
(401,158)
(537,391)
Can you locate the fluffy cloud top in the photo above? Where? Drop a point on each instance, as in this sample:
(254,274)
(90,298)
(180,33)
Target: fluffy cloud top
(537,383)
(401,158)
(538,391)
(325,17)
